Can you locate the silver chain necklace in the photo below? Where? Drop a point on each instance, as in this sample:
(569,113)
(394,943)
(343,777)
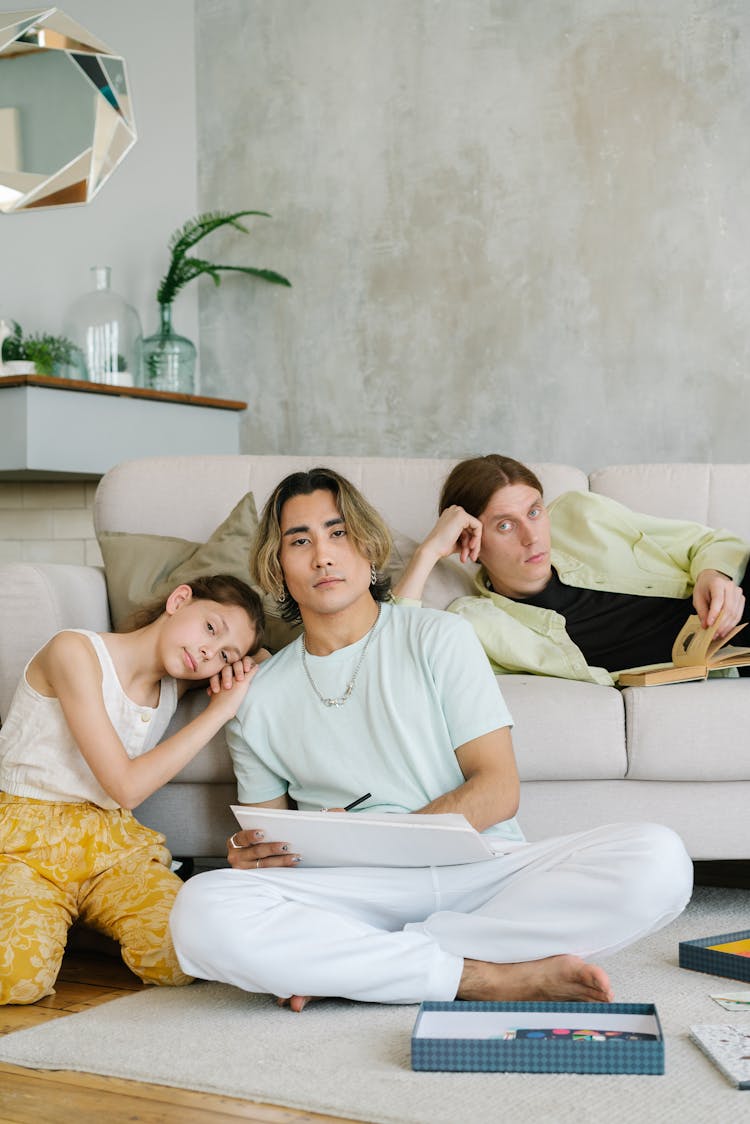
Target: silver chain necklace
(350,686)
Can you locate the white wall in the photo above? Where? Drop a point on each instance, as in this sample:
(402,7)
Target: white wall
(45,255)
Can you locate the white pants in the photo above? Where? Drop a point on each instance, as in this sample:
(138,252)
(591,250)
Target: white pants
(388,935)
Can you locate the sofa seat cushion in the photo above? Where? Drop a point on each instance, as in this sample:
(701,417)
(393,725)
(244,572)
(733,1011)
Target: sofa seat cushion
(565,730)
(689,731)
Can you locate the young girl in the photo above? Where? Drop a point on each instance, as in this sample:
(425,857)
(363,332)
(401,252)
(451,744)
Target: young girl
(79,749)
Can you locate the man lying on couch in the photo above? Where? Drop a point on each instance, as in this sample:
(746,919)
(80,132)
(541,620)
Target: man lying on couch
(583,589)
(400,701)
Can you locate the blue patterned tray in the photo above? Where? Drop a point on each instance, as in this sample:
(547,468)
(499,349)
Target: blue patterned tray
(699,957)
(546,1038)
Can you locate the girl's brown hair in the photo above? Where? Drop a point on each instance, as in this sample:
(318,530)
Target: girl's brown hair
(224,589)
(364,527)
(472,483)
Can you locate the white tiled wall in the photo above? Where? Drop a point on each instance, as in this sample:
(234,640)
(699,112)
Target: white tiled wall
(48,522)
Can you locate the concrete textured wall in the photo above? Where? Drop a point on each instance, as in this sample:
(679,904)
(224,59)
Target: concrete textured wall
(513,225)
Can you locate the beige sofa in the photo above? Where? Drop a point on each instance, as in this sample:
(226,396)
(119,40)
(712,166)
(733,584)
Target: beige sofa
(679,755)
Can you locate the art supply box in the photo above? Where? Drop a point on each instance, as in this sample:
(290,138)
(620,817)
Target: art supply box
(538,1037)
(703,956)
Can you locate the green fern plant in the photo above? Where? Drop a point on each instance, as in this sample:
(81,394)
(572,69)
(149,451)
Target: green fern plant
(50,354)
(183,267)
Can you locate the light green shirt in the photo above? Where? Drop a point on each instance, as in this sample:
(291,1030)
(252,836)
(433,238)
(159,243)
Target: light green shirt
(597,543)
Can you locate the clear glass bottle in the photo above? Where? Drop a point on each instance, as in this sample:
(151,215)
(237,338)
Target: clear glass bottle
(168,359)
(108,332)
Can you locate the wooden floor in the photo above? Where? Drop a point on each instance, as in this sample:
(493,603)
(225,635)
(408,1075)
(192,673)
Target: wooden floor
(32,1096)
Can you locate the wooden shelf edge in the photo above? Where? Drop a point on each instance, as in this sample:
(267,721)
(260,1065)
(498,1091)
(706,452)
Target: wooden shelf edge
(52,383)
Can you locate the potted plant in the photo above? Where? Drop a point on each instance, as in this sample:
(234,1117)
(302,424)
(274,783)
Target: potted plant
(41,354)
(169,359)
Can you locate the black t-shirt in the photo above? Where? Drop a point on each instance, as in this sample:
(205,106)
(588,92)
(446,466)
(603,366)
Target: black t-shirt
(616,630)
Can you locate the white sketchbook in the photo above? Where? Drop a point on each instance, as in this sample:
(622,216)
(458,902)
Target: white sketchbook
(374,838)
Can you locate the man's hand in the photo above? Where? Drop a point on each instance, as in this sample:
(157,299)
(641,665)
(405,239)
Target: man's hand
(248,850)
(714,595)
(456,532)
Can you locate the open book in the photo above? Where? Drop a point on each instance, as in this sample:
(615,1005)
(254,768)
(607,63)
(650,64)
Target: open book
(695,652)
(374,838)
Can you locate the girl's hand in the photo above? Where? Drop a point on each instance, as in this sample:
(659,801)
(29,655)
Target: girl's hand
(231,674)
(226,700)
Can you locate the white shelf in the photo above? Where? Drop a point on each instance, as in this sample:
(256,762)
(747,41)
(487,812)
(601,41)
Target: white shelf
(51,428)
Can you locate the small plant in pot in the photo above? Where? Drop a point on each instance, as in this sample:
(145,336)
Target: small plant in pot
(41,354)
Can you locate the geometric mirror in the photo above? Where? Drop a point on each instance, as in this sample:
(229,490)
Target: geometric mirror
(66,119)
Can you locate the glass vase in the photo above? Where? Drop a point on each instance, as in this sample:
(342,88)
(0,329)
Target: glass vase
(168,361)
(107,332)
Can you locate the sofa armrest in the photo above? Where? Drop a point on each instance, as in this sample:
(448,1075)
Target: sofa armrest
(37,600)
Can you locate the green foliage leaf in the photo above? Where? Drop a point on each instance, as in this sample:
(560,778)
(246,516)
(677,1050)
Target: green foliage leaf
(183,269)
(42,349)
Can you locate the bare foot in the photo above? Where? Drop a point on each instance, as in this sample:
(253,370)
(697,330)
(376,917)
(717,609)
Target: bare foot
(297,1002)
(564,978)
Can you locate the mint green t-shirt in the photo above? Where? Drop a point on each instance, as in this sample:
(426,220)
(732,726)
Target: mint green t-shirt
(423,689)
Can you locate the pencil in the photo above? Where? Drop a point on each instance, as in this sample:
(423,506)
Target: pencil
(354,803)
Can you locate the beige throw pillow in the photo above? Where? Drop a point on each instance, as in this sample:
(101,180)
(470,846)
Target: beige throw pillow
(141,569)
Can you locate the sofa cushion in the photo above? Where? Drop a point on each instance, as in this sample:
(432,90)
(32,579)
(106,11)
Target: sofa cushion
(689,731)
(143,495)
(565,730)
(717,495)
(141,569)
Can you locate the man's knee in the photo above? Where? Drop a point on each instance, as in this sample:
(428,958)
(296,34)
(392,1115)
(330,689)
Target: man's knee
(195,911)
(666,867)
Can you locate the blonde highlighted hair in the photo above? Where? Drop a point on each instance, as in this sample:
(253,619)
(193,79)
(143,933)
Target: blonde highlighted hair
(363,525)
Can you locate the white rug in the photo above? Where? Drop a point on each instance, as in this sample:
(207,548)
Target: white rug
(353,1060)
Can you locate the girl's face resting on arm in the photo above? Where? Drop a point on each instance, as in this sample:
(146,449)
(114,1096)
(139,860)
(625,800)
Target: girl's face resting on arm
(201,637)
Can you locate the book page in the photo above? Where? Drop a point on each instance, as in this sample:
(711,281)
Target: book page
(697,645)
(692,643)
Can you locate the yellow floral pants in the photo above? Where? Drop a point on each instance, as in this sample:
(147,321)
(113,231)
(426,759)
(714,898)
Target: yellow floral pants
(63,862)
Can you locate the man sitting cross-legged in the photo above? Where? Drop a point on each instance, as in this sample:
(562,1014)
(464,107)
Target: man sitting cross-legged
(401,702)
